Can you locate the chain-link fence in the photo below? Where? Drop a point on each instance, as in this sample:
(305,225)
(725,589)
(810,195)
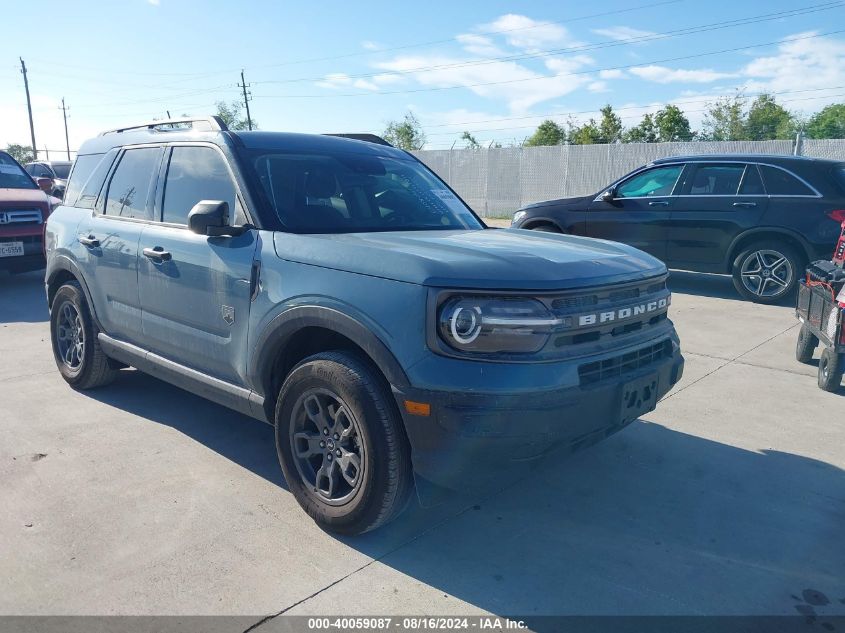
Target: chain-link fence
(496,182)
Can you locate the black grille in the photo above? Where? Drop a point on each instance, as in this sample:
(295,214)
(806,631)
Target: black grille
(624,363)
(575,302)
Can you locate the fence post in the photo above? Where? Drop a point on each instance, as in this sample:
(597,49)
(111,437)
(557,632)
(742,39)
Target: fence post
(799,143)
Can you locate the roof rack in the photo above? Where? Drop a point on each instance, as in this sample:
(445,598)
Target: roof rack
(212,123)
(369,138)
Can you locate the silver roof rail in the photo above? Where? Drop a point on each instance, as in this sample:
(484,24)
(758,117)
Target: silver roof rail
(212,124)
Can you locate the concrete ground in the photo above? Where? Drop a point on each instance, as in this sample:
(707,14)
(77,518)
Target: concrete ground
(142,499)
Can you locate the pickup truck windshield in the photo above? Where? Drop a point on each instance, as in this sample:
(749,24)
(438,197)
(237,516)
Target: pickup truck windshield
(12,176)
(350,193)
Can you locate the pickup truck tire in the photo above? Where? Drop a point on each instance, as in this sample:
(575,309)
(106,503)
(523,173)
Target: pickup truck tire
(341,443)
(831,367)
(767,271)
(73,335)
(806,345)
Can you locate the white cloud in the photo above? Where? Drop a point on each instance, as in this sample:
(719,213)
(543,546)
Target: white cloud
(522,32)
(335,81)
(479,45)
(664,75)
(155,3)
(620,33)
(598,86)
(526,88)
(611,74)
(369,45)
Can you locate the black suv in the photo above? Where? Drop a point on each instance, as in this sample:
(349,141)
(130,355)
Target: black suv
(759,218)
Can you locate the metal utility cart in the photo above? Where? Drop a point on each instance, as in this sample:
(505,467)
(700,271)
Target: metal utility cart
(821,317)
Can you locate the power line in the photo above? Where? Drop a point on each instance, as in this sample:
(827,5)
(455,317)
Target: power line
(713,26)
(558,75)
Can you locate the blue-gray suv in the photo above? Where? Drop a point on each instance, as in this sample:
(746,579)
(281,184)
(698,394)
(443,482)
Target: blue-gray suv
(336,288)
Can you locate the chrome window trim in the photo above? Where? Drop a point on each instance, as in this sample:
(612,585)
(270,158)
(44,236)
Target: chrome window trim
(816,193)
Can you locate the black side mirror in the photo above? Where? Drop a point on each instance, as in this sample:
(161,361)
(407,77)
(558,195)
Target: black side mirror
(609,195)
(209,217)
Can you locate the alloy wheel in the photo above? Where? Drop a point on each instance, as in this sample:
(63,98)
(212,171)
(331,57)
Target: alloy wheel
(70,336)
(327,446)
(767,273)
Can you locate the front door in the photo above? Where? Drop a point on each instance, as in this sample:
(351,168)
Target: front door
(639,212)
(195,290)
(717,202)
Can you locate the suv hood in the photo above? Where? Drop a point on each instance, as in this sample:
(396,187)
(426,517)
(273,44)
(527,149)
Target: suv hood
(580,202)
(502,259)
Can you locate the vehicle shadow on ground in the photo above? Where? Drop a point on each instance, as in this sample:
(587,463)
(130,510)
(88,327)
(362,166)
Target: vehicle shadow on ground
(22,298)
(651,521)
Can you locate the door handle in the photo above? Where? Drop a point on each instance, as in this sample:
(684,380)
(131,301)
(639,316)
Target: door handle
(90,241)
(157,254)
(747,205)
(659,203)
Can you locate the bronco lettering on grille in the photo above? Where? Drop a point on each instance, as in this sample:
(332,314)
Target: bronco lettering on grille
(621,314)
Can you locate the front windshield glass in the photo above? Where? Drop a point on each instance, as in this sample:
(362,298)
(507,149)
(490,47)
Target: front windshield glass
(12,175)
(348,193)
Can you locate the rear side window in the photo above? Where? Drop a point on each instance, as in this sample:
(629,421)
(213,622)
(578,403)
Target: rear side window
(90,185)
(782,183)
(37,170)
(716,180)
(194,174)
(658,181)
(130,184)
(752,184)
(83,167)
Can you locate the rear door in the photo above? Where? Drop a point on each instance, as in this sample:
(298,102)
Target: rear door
(639,212)
(195,290)
(109,240)
(716,202)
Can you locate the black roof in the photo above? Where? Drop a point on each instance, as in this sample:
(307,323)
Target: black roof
(776,159)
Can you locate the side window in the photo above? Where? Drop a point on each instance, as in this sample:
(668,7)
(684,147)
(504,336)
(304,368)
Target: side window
(658,181)
(194,174)
(716,180)
(91,185)
(130,184)
(82,170)
(752,184)
(782,183)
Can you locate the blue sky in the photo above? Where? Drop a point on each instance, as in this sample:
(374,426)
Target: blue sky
(496,68)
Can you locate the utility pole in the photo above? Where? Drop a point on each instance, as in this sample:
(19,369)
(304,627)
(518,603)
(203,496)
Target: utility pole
(29,109)
(64,112)
(244,85)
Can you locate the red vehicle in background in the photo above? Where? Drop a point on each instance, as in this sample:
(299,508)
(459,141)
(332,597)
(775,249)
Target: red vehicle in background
(24,207)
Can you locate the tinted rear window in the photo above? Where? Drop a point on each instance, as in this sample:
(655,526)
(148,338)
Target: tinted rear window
(87,178)
(782,183)
(62,170)
(716,180)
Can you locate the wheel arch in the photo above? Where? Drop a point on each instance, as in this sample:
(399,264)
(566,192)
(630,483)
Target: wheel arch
(302,331)
(59,273)
(533,223)
(763,233)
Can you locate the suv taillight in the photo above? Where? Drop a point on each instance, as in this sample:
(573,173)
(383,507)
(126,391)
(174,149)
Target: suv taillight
(837,215)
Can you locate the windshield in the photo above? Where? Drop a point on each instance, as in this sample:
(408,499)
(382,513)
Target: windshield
(62,170)
(348,193)
(12,175)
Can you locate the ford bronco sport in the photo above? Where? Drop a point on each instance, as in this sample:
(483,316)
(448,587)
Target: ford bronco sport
(339,290)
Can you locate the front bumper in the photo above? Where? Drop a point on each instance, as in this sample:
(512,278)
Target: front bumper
(472,440)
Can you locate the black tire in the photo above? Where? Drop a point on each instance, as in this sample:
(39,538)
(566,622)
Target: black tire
(90,367)
(831,367)
(776,285)
(807,343)
(383,480)
(545,228)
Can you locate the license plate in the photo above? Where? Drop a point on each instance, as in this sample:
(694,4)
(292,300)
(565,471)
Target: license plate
(11,249)
(639,397)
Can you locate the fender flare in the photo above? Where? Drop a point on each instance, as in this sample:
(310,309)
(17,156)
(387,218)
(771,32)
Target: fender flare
(731,253)
(63,263)
(535,220)
(284,326)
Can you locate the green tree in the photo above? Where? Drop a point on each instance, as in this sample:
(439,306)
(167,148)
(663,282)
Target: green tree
(610,126)
(21,153)
(586,134)
(231,113)
(725,119)
(829,122)
(547,133)
(472,142)
(768,120)
(672,125)
(644,132)
(406,134)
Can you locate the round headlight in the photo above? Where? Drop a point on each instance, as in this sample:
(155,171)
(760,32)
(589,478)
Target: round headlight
(465,324)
